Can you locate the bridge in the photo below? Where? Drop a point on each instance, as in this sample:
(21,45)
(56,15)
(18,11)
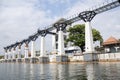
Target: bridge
(54,29)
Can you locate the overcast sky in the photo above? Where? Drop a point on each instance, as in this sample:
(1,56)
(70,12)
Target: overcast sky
(21,18)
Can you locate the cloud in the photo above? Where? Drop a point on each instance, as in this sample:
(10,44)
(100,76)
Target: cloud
(21,18)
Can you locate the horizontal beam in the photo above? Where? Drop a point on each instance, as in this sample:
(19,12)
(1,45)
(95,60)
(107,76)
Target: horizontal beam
(107,7)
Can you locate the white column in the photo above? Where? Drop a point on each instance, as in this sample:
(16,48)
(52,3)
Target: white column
(13,54)
(5,55)
(88,38)
(61,50)
(19,53)
(42,46)
(54,43)
(9,54)
(32,49)
(26,51)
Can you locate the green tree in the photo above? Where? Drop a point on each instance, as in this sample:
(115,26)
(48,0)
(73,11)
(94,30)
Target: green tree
(77,35)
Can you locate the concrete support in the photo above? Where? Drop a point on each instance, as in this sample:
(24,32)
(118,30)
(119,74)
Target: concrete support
(61,52)
(9,56)
(42,46)
(26,52)
(19,55)
(89,54)
(13,55)
(88,38)
(43,58)
(33,57)
(6,56)
(54,51)
(26,59)
(32,49)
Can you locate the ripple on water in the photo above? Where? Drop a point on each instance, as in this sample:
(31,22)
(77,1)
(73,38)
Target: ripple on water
(72,71)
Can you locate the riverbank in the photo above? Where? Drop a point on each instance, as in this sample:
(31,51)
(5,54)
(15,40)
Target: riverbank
(106,57)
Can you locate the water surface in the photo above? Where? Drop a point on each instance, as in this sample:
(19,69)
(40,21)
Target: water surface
(71,71)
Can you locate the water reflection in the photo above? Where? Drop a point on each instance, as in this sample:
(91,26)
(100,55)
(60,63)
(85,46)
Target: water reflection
(72,71)
(90,71)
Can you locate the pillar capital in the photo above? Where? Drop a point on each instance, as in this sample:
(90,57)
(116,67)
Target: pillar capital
(9,50)
(26,45)
(87,16)
(60,26)
(43,33)
(19,46)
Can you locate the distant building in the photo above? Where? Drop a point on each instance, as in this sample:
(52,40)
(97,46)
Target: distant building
(111,45)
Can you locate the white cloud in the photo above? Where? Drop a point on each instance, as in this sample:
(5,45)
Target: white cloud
(58,1)
(21,18)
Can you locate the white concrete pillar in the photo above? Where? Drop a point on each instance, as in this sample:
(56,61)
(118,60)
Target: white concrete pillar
(26,51)
(54,42)
(9,54)
(61,50)
(88,38)
(13,54)
(19,53)
(5,55)
(32,49)
(42,47)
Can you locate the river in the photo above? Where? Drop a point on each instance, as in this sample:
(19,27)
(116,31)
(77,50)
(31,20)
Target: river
(53,71)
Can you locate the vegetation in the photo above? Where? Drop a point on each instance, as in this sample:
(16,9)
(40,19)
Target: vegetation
(1,57)
(77,35)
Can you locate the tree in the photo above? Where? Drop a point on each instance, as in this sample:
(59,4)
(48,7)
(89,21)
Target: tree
(77,35)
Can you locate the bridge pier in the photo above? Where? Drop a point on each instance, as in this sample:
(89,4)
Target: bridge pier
(61,57)
(54,51)
(26,59)
(43,58)
(13,56)
(9,56)
(33,58)
(5,55)
(60,26)
(19,54)
(89,54)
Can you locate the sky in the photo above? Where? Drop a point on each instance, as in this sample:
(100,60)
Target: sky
(21,18)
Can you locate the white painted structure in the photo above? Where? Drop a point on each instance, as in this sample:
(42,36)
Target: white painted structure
(19,53)
(5,56)
(13,54)
(9,54)
(109,56)
(32,49)
(54,42)
(42,54)
(61,50)
(26,51)
(88,38)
